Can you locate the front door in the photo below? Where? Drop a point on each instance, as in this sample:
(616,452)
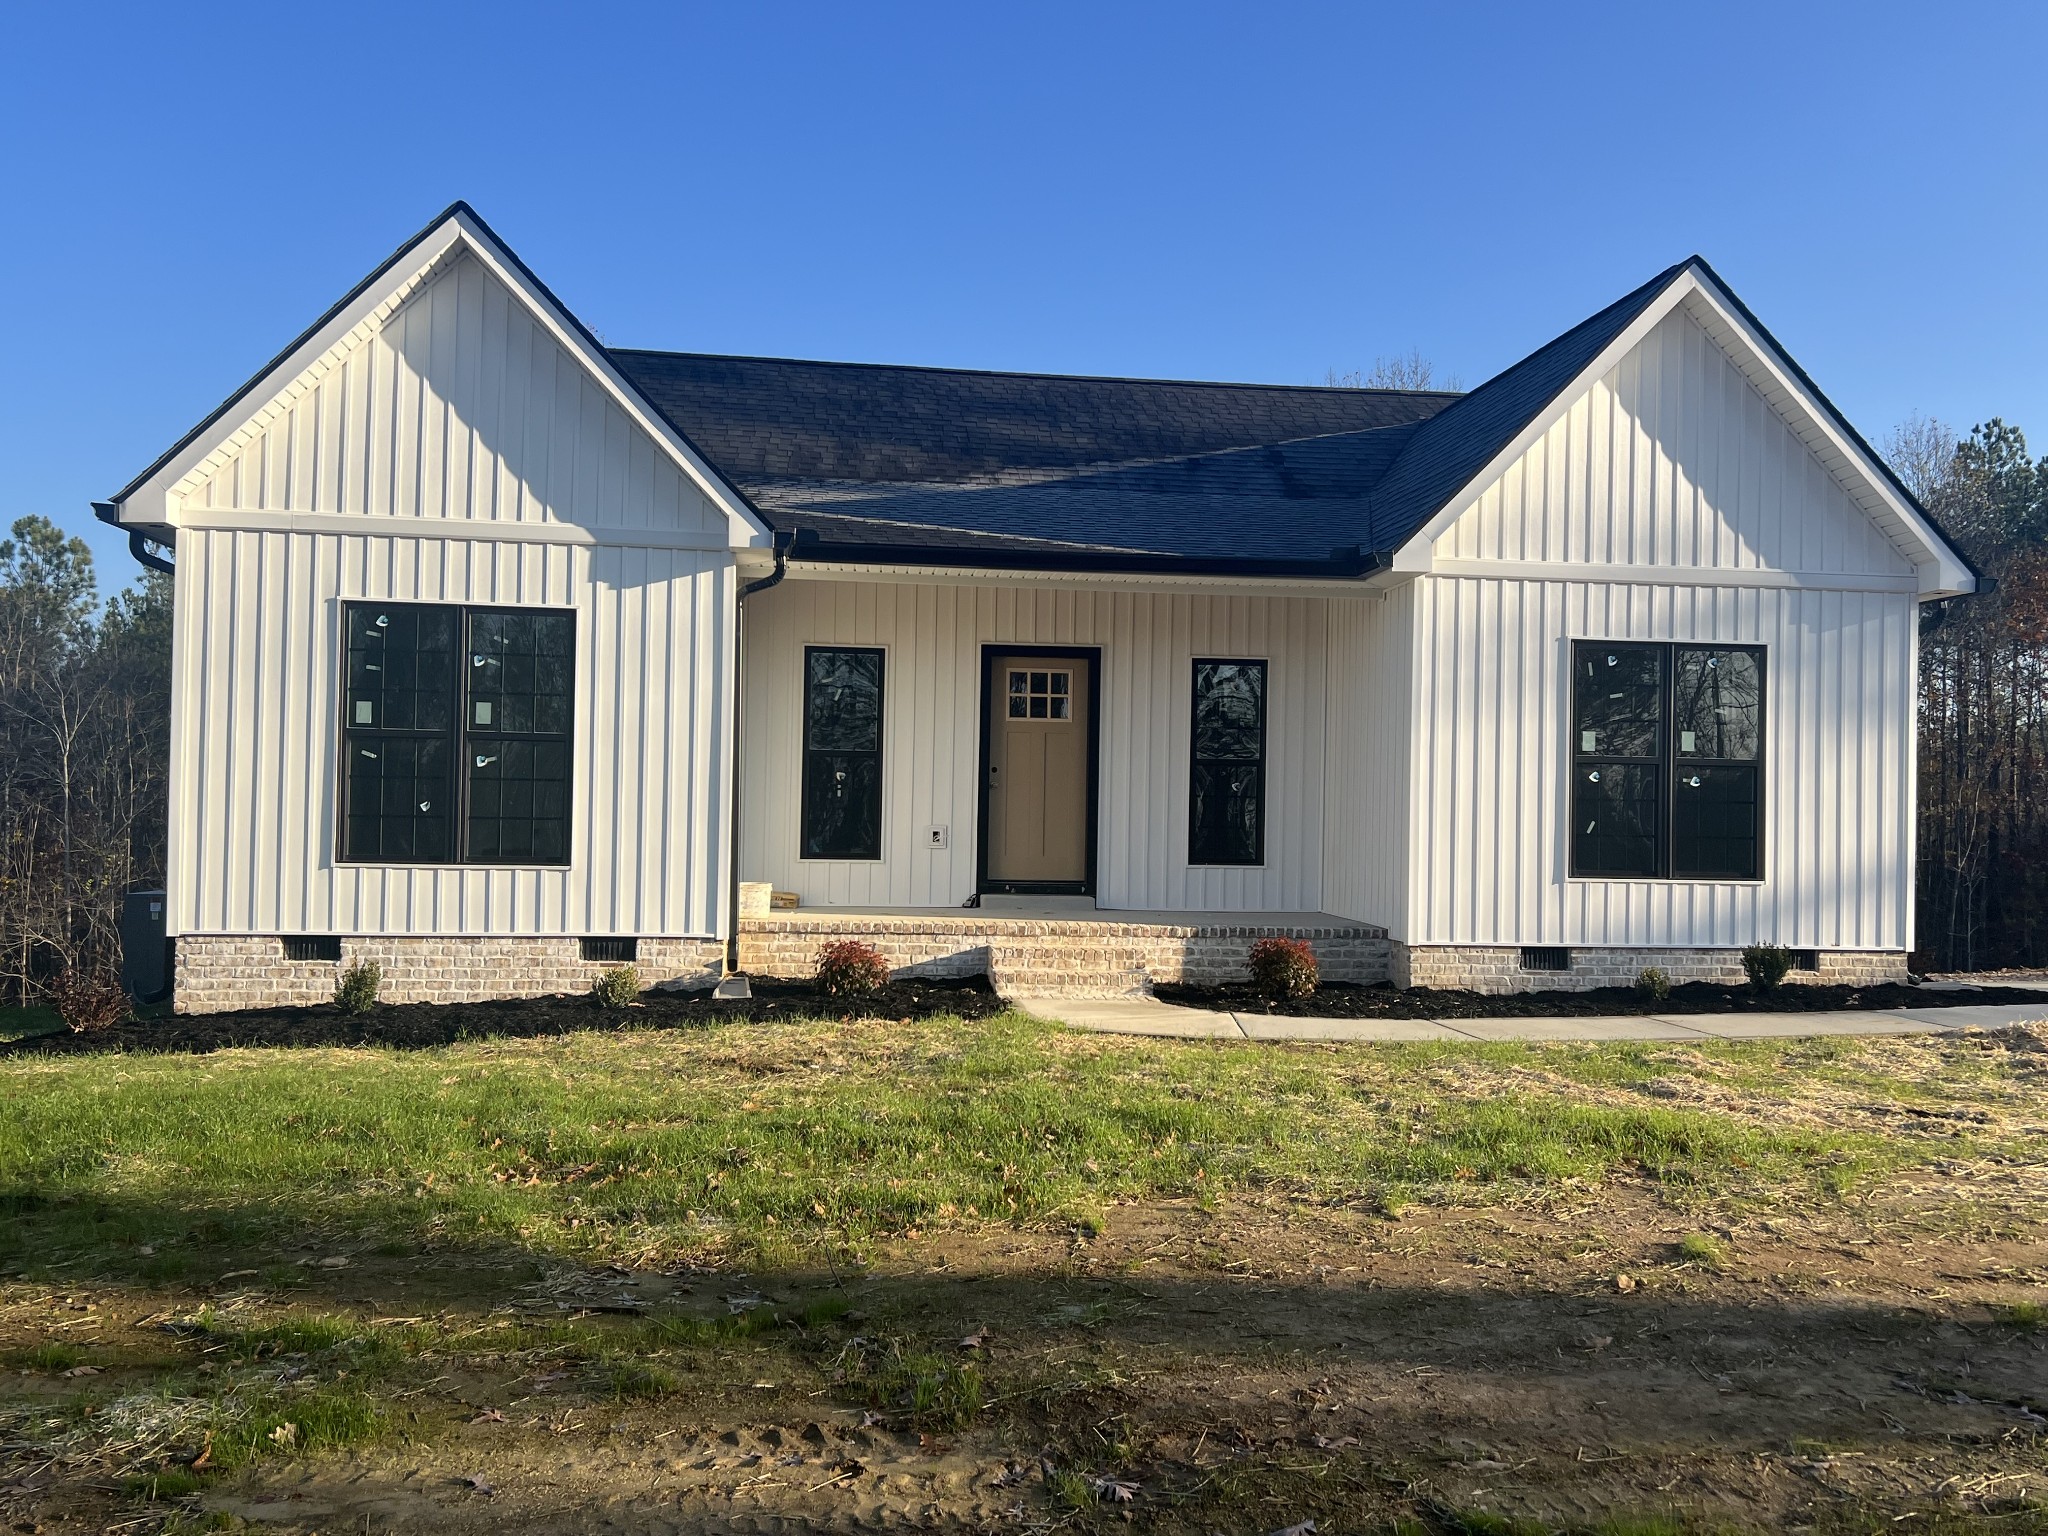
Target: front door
(1041,764)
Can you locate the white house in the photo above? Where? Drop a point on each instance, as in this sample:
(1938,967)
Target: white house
(502,655)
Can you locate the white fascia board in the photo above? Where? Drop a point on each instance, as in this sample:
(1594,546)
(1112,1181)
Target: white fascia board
(1417,554)
(1940,571)
(154,503)
(749,531)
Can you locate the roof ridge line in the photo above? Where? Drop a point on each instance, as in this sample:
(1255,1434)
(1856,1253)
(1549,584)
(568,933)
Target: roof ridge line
(1026,373)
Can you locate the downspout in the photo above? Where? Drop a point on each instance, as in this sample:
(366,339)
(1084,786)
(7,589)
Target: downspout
(138,542)
(782,541)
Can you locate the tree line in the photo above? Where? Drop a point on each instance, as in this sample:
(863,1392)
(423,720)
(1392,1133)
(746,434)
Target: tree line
(85,729)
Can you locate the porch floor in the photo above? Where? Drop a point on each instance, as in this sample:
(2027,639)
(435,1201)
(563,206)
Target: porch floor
(1058,946)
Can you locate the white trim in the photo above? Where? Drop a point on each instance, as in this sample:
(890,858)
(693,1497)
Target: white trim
(155,502)
(1940,571)
(475,529)
(1668,575)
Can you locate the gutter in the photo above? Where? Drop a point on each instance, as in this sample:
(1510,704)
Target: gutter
(782,542)
(138,542)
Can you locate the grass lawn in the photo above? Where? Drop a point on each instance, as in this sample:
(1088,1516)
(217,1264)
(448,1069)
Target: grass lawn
(1026,1277)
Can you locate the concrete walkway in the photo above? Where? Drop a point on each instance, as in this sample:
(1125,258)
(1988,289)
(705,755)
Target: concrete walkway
(1149,1016)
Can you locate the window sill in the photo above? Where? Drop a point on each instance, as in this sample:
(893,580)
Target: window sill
(445,864)
(1665,880)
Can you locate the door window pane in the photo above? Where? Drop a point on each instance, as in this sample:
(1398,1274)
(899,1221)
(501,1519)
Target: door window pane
(1717,704)
(1040,695)
(842,785)
(1226,792)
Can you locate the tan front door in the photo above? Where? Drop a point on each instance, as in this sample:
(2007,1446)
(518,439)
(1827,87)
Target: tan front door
(1038,769)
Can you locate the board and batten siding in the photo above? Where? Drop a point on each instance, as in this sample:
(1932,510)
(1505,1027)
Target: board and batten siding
(1669,502)
(455,404)
(1492,753)
(1367,792)
(1673,458)
(933,635)
(255,725)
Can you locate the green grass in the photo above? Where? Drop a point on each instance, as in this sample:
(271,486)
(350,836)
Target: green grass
(1698,1248)
(761,1139)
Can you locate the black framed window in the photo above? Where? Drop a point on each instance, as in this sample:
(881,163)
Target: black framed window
(1667,758)
(1227,789)
(842,790)
(456,727)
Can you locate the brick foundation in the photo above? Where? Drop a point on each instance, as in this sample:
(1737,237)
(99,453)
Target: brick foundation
(218,972)
(1053,957)
(1497,970)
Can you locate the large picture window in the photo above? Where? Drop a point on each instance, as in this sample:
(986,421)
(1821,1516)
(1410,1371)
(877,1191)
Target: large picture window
(456,726)
(842,792)
(1667,758)
(1227,792)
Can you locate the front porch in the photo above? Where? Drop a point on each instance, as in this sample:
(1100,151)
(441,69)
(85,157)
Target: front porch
(1059,947)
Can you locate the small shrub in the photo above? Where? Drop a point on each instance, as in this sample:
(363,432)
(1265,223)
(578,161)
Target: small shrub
(849,968)
(1654,983)
(616,987)
(86,1001)
(1283,967)
(356,992)
(1766,965)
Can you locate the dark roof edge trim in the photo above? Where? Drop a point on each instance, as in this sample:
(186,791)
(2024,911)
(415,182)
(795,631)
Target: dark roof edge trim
(1791,364)
(456,209)
(1340,565)
(213,417)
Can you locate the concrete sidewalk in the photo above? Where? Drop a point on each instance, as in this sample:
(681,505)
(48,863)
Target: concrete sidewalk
(1149,1016)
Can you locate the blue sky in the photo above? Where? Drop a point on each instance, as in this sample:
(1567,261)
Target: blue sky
(1248,192)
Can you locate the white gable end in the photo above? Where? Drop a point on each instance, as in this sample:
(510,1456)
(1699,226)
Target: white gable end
(456,403)
(1672,457)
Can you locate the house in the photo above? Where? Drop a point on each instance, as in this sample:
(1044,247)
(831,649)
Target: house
(503,654)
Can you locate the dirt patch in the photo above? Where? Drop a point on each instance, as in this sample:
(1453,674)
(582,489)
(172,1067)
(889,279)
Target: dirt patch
(1342,1000)
(415,1025)
(1243,1368)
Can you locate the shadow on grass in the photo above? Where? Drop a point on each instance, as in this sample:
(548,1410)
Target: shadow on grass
(425,1025)
(1229,1400)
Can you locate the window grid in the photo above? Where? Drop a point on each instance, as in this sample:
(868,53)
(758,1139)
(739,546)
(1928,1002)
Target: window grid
(1667,761)
(1035,695)
(456,756)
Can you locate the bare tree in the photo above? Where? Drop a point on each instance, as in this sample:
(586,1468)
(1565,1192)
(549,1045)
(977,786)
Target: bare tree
(1413,371)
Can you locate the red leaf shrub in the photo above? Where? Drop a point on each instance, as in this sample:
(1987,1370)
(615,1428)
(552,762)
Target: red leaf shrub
(85,1001)
(1283,967)
(849,968)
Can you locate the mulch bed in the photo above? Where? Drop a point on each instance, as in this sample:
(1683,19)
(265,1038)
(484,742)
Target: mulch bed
(1339,1000)
(413,1025)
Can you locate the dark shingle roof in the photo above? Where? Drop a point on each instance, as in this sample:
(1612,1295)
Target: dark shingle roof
(1455,444)
(896,463)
